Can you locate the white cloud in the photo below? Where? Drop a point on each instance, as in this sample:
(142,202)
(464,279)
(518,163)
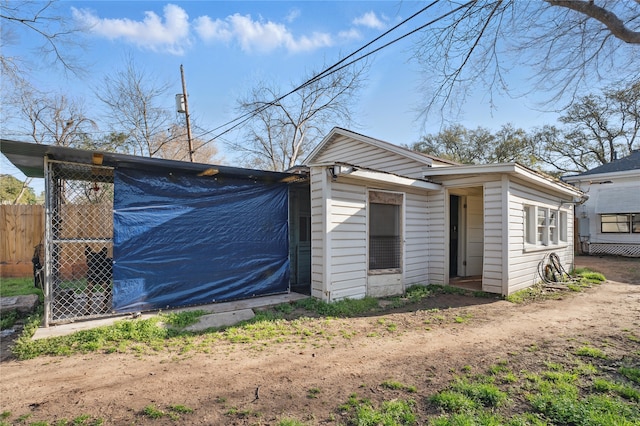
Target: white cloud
(350,34)
(292,15)
(257,36)
(370,20)
(170,35)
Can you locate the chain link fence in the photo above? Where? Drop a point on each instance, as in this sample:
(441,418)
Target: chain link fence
(79,241)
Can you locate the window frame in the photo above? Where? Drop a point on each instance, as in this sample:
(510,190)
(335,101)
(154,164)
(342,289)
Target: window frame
(545,227)
(632,222)
(397,199)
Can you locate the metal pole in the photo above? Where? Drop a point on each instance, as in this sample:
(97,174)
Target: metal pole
(48,275)
(186,113)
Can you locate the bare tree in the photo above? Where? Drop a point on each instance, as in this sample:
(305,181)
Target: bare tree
(55,120)
(135,102)
(56,32)
(597,130)
(282,131)
(566,44)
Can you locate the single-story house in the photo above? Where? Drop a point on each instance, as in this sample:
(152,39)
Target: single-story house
(384,218)
(609,221)
(361,217)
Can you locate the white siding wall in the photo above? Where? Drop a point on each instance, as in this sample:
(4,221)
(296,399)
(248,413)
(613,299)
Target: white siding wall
(339,243)
(416,238)
(348,230)
(493,272)
(347,150)
(523,262)
(438,232)
(318,232)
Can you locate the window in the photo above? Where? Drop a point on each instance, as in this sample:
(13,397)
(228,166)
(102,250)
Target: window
(545,226)
(562,226)
(620,223)
(541,236)
(384,230)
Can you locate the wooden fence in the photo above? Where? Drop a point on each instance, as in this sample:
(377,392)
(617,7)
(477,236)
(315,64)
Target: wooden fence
(21,229)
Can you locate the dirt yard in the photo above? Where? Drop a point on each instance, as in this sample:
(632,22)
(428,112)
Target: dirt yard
(308,380)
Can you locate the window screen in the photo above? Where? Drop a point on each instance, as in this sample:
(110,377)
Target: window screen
(384,230)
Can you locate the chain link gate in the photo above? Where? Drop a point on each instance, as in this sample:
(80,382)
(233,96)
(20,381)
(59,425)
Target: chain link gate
(78,241)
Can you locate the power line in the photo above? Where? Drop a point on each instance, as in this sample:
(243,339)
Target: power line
(332,69)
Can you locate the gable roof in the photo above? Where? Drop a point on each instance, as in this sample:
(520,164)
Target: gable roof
(630,162)
(336,132)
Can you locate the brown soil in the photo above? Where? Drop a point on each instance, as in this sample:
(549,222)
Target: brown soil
(415,346)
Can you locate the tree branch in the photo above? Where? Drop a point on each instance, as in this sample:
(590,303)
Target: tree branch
(607,18)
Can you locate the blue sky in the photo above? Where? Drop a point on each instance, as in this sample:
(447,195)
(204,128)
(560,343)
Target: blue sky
(226,47)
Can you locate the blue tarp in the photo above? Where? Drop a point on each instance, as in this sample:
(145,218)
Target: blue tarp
(183,240)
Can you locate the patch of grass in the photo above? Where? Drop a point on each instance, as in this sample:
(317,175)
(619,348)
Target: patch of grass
(585,369)
(342,308)
(447,289)
(509,378)
(182,319)
(290,422)
(390,413)
(462,318)
(624,391)
(19,287)
(285,308)
(498,368)
(182,409)
(535,292)
(486,394)
(593,277)
(313,393)
(8,319)
(452,402)
(569,409)
(152,412)
(395,385)
(107,338)
(590,352)
(631,373)
(469,419)
(416,293)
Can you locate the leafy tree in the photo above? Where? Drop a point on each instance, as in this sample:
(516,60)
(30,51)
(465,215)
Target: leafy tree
(567,45)
(14,191)
(478,146)
(597,129)
(283,130)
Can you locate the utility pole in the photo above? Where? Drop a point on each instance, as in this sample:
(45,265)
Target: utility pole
(186,113)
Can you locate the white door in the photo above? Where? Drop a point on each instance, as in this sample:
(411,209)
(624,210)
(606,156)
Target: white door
(474,235)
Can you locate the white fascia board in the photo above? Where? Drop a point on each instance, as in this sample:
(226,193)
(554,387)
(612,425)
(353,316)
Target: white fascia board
(597,177)
(470,170)
(508,168)
(535,177)
(393,179)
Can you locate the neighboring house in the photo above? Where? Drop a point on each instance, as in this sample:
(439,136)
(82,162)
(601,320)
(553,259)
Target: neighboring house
(609,221)
(384,218)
